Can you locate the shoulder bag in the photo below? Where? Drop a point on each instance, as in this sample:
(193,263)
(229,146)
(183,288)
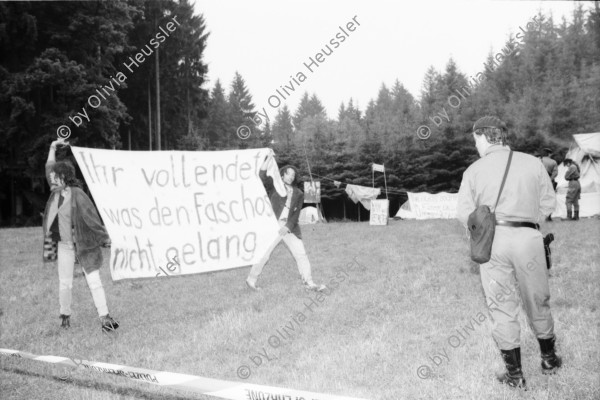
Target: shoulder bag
(482,226)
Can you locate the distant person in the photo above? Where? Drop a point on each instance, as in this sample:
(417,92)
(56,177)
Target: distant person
(71,220)
(527,196)
(552,169)
(550,165)
(287,211)
(574,190)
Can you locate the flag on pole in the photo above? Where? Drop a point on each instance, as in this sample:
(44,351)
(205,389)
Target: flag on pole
(378,167)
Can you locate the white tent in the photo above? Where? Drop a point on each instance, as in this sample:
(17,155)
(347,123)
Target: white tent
(586,153)
(310,215)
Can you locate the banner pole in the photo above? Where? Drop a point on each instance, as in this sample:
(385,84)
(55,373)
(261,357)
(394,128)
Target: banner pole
(308,164)
(385,181)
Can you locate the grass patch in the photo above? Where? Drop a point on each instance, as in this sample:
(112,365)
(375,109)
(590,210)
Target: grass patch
(412,288)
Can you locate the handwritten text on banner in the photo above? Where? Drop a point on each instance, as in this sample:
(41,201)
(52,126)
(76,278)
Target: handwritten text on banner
(199,211)
(430,206)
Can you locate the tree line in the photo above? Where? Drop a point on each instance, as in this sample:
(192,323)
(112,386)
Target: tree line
(57,54)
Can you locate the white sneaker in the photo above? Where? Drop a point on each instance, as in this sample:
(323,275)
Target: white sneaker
(314,287)
(252,285)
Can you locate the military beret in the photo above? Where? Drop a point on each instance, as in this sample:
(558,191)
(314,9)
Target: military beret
(489,122)
(547,150)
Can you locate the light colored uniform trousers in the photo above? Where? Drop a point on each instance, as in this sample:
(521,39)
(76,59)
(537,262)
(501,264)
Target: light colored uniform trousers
(66,264)
(573,195)
(517,253)
(296,247)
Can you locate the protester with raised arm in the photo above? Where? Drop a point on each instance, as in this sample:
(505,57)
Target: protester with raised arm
(71,220)
(286,207)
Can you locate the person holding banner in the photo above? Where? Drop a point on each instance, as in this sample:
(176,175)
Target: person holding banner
(508,276)
(71,220)
(287,211)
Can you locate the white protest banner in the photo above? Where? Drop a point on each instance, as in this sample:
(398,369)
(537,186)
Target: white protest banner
(431,206)
(379,212)
(180,212)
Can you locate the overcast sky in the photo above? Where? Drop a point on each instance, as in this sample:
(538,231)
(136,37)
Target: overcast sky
(266,41)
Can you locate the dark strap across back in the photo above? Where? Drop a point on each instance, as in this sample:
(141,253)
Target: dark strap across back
(504,178)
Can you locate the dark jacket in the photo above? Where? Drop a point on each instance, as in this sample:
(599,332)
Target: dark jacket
(88,232)
(572,173)
(278,202)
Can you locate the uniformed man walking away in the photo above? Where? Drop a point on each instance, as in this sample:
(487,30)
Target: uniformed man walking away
(552,169)
(516,267)
(574,190)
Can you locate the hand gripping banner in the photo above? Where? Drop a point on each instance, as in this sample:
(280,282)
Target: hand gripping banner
(180,212)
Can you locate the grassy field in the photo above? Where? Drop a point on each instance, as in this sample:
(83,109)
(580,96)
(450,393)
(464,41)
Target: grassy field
(411,288)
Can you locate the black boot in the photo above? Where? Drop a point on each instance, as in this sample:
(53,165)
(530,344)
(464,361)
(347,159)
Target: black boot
(108,324)
(569,215)
(513,376)
(576,217)
(550,361)
(66,322)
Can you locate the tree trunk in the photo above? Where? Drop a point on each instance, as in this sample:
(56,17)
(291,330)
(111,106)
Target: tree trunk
(187,91)
(149,117)
(158,142)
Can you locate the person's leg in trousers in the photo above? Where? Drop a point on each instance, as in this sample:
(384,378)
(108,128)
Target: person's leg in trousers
(532,277)
(500,288)
(66,262)
(535,293)
(95,284)
(257,268)
(503,303)
(569,202)
(296,247)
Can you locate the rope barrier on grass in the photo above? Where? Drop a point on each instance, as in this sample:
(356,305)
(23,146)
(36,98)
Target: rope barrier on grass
(207,386)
